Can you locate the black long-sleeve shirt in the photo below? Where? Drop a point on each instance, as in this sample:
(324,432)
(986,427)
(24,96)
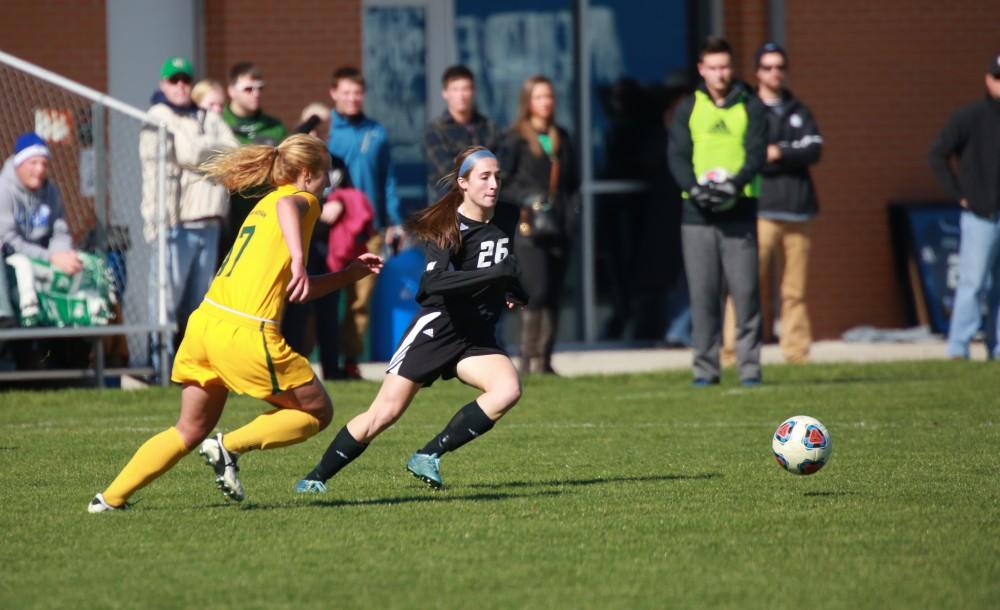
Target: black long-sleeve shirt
(786,188)
(472,284)
(973,135)
(444,138)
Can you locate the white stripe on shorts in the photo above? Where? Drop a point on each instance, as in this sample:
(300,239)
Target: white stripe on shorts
(397,358)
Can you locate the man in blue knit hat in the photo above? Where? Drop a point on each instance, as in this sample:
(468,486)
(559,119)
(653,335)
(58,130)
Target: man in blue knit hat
(31,221)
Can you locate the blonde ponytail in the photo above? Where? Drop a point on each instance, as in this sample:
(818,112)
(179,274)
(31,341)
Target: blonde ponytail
(257,164)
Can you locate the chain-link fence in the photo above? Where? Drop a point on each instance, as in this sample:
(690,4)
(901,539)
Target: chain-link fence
(93,143)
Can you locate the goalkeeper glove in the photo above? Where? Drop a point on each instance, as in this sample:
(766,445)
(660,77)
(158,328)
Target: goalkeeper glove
(722,196)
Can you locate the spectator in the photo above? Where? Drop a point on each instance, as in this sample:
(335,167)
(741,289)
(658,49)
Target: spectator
(194,219)
(36,240)
(786,206)
(542,179)
(250,126)
(209,95)
(717,146)
(363,145)
(323,314)
(972,137)
(459,127)
(315,120)
(56,284)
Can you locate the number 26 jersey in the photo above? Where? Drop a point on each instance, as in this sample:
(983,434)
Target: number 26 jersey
(468,284)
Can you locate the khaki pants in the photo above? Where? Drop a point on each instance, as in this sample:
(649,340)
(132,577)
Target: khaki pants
(357,302)
(784,247)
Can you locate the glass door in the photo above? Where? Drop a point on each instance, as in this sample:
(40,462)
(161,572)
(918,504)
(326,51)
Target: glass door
(407,44)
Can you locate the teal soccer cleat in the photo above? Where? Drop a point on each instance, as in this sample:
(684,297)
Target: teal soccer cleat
(308,486)
(427,468)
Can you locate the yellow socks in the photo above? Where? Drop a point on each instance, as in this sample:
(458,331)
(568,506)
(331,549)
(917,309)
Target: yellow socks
(277,428)
(156,456)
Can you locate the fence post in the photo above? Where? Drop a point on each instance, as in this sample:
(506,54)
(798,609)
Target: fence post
(99,147)
(161,245)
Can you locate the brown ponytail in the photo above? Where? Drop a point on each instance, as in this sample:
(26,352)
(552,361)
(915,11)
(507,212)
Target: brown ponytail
(438,223)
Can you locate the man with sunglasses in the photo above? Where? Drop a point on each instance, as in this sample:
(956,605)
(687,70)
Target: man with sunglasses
(243,113)
(786,205)
(194,223)
(972,139)
(250,125)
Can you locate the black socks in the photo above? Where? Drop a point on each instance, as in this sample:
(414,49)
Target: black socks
(340,453)
(466,425)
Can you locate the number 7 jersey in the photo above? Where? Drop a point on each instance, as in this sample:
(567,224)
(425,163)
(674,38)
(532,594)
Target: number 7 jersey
(253,277)
(465,284)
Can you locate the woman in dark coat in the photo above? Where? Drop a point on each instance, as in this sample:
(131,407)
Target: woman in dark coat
(540,175)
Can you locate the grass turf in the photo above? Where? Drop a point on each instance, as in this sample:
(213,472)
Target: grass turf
(599,492)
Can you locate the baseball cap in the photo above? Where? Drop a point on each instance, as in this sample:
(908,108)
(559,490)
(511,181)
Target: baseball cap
(176,65)
(769,47)
(994,68)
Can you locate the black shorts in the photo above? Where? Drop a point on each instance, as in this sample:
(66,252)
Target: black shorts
(432,348)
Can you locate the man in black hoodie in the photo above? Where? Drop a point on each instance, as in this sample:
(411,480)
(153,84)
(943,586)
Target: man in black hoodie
(716,149)
(972,136)
(786,206)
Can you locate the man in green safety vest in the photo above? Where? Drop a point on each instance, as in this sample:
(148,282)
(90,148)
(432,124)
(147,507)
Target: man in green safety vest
(718,143)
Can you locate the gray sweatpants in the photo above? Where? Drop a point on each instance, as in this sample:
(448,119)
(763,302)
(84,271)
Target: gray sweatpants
(720,259)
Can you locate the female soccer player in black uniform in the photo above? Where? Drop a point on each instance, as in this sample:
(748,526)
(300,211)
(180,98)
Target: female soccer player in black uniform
(469,278)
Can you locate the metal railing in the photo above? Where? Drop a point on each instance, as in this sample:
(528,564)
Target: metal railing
(94,161)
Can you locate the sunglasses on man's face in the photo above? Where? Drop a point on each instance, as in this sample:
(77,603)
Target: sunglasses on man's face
(252,88)
(180,78)
(770,67)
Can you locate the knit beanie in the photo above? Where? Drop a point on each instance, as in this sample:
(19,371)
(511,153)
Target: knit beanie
(29,145)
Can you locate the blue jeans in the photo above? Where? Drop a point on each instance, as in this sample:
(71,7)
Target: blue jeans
(192,254)
(978,273)
(678,314)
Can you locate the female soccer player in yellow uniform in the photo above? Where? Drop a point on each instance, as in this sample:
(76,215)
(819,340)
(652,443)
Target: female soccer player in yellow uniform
(233,340)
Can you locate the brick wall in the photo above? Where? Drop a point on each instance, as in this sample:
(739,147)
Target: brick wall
(882,79)
(65,37)
(297,44)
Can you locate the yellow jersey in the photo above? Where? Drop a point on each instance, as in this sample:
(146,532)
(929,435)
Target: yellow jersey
(253,278)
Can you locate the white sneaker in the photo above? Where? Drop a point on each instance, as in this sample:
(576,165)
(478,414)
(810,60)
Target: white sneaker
(98,505)
(224,463)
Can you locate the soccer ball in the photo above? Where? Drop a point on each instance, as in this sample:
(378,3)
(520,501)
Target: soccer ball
(802,444)
(716,175)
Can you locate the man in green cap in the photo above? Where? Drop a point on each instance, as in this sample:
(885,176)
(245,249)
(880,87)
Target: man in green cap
(194,223)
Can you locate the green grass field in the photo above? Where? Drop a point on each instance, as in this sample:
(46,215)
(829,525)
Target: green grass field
(600,492)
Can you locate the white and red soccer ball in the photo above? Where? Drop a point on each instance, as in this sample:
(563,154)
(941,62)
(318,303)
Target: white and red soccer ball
(715,175)
(802,444)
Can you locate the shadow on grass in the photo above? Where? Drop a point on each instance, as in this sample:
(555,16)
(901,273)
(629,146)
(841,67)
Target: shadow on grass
(435,497)
(601,480)
(828,494)
(443,496)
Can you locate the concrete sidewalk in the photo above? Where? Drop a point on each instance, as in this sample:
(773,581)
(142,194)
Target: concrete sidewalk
(603,362)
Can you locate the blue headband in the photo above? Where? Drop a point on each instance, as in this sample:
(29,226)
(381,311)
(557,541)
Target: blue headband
(473,158)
